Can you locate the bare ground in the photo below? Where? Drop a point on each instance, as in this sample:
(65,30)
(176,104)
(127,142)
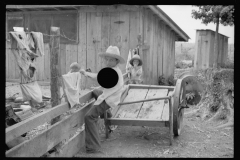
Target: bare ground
(198,138)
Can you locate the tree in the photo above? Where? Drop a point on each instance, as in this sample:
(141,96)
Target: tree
(223,14)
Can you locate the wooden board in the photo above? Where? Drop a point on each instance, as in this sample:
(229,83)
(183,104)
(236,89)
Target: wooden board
(155,52)
(124,33)
(91,56)
(114,29)
(47,62)
(131,110)
(82,46)
(62,59)
(72,147)
(165,113)
(97,41)
(159,49)
(153,109)
(51,137)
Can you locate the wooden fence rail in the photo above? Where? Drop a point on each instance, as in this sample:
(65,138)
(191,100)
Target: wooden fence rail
(55,134)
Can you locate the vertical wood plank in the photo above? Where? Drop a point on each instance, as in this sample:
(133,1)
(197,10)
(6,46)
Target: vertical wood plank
(46,62)
(97,38)
(74,53)
(54,61)
(151,42)
(225,50)
(155,51)
(114,28)
(124,33)
(82,46)
(145,52)
(91,56)
(170,53)
(161,47)
(165,54)
(199,50)
(12,65)
(212,49)
(68,57)
(159,58)
(63,58)
(105,33)
(173,52)
(208,49)
(196,50)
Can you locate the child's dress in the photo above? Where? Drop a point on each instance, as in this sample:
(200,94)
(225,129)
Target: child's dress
(135,75)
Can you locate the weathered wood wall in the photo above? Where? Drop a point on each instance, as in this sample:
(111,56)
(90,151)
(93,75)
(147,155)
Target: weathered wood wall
(98,28)
(204,49)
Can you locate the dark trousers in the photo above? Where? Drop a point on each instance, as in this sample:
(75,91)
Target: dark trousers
(92,139)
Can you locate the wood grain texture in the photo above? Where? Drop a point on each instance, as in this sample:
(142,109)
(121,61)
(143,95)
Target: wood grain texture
(131,110)
(82,46)
(125,37)
(73,146)
(155,53)
(31,123)
(165,113)
(51,137)
(153,109)
(47,62)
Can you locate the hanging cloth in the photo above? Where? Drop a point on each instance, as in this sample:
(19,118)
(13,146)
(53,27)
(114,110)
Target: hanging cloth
(72,83)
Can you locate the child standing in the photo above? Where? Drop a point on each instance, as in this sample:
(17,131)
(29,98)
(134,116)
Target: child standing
(135,70)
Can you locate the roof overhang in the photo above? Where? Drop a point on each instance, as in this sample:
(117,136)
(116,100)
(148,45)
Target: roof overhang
(182,35)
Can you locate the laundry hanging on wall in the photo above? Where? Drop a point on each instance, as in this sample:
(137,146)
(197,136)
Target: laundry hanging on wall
(26,48)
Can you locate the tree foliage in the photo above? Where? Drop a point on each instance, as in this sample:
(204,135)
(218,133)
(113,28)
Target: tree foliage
(210,13)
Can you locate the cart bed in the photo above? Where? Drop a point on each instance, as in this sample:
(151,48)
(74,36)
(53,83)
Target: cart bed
(154,110)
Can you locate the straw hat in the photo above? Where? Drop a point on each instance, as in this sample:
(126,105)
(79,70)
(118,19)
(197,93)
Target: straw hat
(114,52)
(136,57)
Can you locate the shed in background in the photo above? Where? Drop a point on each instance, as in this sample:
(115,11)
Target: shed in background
(204,49)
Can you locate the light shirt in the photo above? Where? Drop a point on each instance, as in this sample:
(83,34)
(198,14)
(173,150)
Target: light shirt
(136,72)
(112,95)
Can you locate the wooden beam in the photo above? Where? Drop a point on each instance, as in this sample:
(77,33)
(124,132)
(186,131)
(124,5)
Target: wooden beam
(31,123)
(72,147)
(146,100)
(151,86)
(54,65)
(136,122)
(45,141)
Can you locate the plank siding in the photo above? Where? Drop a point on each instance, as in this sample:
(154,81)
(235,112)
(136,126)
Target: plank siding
(155,52)
(82,46)
(125,37)
(98,28)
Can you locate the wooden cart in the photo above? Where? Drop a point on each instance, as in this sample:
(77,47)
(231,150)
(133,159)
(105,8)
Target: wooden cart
(151,105)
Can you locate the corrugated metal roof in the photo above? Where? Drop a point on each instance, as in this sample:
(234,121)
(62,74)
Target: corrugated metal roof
(163,16)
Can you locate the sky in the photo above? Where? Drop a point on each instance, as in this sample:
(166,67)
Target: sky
(181,15)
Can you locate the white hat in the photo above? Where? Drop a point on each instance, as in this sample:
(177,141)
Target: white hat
(136,57)
(114,52)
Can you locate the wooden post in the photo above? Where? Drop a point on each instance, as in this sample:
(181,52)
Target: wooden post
(54,67)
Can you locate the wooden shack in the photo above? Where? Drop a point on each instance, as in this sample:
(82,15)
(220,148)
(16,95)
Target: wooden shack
(204,49)
(91,29)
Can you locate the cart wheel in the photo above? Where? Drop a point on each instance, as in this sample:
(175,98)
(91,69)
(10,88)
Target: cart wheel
(179,101)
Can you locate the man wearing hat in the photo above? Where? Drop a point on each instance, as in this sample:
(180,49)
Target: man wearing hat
(106,98)
(135,70)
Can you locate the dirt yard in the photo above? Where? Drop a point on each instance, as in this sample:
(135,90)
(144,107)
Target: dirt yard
(198,138)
